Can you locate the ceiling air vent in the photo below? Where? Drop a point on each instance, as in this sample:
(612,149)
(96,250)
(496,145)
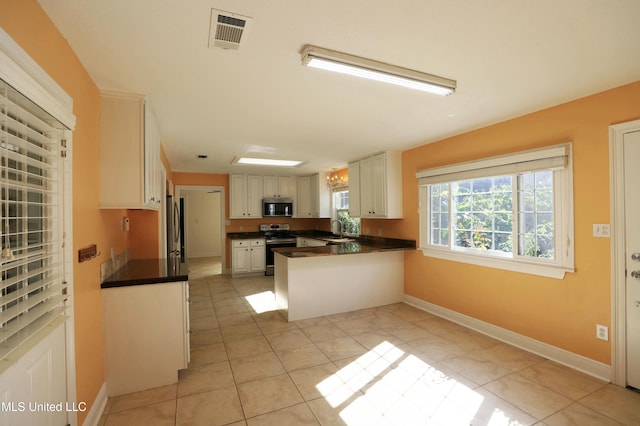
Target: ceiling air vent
(227,30)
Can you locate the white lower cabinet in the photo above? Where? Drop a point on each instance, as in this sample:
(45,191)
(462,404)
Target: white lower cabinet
(248,256)
(146,335)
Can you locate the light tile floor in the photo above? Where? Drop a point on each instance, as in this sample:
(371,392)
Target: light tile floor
(393,365)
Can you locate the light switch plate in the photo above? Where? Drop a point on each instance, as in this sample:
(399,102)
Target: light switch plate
(601,230)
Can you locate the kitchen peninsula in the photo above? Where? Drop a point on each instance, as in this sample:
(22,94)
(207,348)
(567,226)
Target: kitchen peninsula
(316,281)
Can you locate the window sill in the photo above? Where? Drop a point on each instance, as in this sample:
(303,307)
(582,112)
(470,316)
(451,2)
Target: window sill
(549,271)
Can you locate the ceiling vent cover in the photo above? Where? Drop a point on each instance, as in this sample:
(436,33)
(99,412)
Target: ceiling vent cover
(227,30)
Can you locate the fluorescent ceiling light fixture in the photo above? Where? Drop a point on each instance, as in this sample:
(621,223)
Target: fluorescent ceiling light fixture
(266,162)
(317,57)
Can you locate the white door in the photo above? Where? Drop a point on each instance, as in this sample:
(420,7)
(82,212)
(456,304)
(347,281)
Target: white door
(631,146)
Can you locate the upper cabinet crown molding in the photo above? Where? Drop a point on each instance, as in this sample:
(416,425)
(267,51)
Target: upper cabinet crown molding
(129,153)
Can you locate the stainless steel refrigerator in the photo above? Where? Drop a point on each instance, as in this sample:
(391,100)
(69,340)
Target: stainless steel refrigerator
(175,229)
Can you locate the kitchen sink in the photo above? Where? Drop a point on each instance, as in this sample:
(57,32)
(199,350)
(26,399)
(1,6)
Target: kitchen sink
(339,240)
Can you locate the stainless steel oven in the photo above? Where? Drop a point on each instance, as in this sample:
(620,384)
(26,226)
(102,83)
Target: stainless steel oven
(276,235)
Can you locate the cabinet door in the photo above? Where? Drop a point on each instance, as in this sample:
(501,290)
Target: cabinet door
(321,196)
(379,185)
(366,187)
(258,258)
(287,186)
(121,152)
(354,189)
(254,196)
(187,324)
(238,196)
(270,186)
(314,196)
(151,159)
(304,196)
(241,261)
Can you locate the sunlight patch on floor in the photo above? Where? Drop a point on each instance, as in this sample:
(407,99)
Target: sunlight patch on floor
(389,385)
(262,302)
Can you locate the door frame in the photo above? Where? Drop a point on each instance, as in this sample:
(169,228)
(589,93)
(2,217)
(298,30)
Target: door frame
(618,232)
(223,229)
(22,72)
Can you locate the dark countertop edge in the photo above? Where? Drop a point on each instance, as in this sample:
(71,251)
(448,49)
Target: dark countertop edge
(368,240)
(343,249)
(144,281)
(145,272)
(243,235)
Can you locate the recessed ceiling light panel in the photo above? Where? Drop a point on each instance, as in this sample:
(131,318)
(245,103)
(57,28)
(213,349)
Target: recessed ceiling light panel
(253,161)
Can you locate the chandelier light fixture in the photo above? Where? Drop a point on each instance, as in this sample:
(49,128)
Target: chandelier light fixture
(337,179)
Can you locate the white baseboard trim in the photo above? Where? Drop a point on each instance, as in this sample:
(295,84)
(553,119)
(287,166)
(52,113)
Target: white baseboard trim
(561,356)
(97,408)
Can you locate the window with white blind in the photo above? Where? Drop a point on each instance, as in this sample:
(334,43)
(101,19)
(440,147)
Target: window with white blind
(511,212)
(33,291)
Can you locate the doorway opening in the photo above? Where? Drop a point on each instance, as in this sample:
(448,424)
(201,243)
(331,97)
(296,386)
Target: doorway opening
(204,233)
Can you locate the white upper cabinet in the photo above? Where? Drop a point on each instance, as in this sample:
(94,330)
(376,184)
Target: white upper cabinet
(375,186)
(245,197)
(129,153)
(313,196)
(354,189)
(279,186)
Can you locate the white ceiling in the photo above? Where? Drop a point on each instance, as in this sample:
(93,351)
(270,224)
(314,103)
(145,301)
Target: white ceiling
(509,57)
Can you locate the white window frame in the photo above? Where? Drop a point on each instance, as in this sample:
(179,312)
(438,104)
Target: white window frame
(24,74)
(557,158)
(334,211)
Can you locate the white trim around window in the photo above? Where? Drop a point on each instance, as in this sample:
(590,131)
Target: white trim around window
(557,159)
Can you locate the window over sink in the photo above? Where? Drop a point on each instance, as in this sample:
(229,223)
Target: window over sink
(340,211)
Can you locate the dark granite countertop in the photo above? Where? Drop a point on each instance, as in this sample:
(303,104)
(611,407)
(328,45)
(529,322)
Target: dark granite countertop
(364,244)
(244,235)
(251,235)
(147,271)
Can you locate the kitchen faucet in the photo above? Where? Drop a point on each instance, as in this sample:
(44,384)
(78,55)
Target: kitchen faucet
(341,226)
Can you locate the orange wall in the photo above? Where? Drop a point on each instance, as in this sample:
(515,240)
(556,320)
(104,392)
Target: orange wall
(30,27)
(562,313)
(143,235)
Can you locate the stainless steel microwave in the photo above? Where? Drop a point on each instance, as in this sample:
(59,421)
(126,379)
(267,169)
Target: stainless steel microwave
(277,207)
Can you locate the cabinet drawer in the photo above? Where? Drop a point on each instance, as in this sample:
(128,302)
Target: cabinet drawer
(258,242)
(241,243)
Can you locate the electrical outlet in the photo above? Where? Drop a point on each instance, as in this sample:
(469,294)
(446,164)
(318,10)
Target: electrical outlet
(602,332)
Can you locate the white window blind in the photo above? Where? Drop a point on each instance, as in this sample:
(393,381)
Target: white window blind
(32,287)
(550,158)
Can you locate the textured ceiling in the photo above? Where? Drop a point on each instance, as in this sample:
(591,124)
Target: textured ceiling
(509,57)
